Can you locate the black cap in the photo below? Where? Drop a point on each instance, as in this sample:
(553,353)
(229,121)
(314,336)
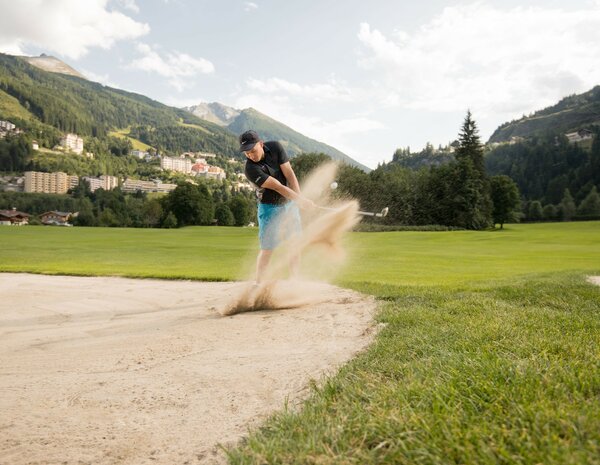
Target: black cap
(248,140)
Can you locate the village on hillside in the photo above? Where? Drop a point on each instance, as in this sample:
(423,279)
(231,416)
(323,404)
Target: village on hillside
(194,165)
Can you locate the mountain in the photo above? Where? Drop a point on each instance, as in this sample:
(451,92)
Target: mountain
(52,65)
(238,121)
(214,112)
(49,100)
(570,114)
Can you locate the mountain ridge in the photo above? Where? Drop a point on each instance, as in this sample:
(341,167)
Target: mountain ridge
(569,114)
(52,64)
(238,121)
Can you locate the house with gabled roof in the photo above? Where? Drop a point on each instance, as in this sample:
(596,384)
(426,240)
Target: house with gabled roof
(13,217)
(56,218)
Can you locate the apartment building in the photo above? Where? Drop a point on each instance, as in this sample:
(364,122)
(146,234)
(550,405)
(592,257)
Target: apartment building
(134,185)
(182,165)
(72,142)
(103,182)
(49,183)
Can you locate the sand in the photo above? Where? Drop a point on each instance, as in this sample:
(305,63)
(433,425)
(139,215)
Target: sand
(112,370)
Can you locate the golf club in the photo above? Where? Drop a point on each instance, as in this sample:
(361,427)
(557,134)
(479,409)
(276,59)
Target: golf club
(380,214)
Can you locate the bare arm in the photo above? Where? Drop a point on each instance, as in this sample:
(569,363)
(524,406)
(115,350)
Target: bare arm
(274,184)
(289,174)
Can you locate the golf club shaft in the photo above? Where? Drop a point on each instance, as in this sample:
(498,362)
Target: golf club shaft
(379,215)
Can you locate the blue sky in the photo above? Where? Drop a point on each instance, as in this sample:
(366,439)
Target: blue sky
(365,77)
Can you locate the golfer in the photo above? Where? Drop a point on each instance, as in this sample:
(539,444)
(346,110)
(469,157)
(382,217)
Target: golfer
(278,192)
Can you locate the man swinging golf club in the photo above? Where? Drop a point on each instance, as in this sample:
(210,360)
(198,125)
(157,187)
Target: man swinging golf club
(278,192)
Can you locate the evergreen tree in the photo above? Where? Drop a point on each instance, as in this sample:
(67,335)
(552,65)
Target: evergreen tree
(506,199)
(567,206)
(470,190)
(590,206)
(469,144)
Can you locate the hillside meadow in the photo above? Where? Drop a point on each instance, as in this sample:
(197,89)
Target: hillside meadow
(488,350)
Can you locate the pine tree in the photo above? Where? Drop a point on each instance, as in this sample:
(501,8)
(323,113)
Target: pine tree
(469,144)
(470,190)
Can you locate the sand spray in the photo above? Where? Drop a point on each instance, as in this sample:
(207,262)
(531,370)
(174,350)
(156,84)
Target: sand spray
(319,247)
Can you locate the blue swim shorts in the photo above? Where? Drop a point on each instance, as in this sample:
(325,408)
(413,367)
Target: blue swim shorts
(277,223)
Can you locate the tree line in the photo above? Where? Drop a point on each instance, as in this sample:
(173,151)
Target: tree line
(456,194)
(557,177)
(207,203)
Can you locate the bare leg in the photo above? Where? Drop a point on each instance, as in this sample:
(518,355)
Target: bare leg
(262,262)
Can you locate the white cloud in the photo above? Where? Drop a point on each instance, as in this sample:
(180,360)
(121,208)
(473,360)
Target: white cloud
(175,66)
(331,90)
(66,27)
(250,6)
(495,61)
(129,5)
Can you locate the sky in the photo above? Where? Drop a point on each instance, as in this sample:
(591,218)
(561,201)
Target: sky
(366,77)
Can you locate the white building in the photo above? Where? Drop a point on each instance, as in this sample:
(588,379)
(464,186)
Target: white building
(182,165)
(134,185)
(212,172)
(206,155)
(141,154)
(578,136)
(103,182)
(7,125)
(72,142)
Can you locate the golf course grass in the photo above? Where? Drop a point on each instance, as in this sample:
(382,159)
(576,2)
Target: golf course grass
(488,352)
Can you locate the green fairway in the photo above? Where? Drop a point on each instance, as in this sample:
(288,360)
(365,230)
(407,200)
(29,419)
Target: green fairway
(489,351)
(397,258)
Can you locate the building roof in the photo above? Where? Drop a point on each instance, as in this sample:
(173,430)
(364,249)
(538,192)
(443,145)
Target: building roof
(14,214)
(57,213)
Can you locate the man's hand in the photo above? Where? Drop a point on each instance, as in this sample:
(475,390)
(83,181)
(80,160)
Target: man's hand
(304,203)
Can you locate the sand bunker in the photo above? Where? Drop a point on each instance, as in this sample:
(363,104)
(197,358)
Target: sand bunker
(110,370)
(594,280)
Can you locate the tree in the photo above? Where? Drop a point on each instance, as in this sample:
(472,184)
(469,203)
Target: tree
(567,206)
(469,190)
(506,199)
(535,212)
(85,218)
(305,163)
(191,204)
(82,189)
(152,212)
(590,206)
(170,221)
(224,216)
(469,144)
(240,209)
(550,212)
(108,218)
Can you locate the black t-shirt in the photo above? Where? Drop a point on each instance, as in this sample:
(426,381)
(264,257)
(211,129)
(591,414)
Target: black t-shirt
(258,172)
